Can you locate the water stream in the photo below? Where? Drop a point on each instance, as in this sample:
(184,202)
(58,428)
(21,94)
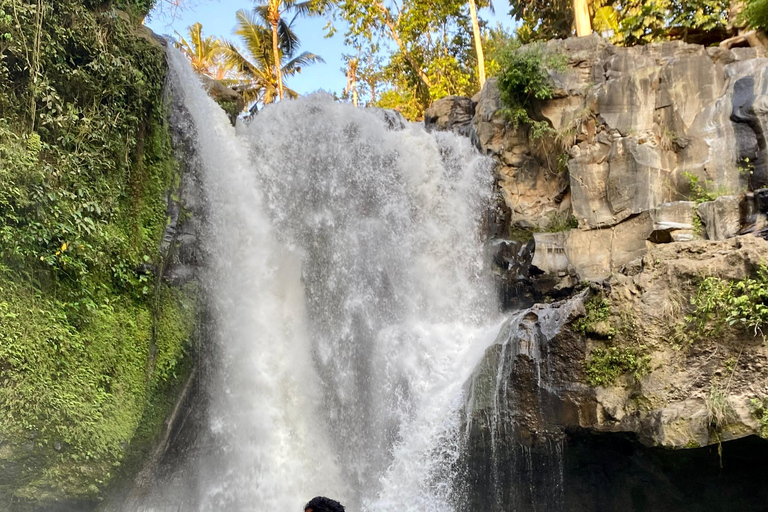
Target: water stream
(350,300)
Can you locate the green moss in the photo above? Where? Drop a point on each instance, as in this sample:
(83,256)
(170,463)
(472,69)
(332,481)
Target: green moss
(597,320)
(759,408)
(605,365)
(92,343)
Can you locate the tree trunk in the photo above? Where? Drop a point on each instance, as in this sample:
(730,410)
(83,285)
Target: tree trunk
(581,15)
(391,25)
(478,43)
(276,56)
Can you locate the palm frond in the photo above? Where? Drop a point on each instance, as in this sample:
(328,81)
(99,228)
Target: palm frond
(289,41)
(304,59)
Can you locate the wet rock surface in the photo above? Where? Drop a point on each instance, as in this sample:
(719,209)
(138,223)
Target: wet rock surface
(547,435)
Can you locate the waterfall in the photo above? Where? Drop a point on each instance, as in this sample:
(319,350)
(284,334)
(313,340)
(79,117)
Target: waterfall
(349,297)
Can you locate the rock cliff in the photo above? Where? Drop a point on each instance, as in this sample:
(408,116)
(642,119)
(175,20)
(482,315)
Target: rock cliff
(638,227)
(639,132)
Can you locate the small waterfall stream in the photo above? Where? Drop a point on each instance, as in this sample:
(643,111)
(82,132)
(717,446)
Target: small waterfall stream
(350,300)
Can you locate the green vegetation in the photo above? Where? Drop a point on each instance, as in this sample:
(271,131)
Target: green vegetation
(91,340)
(624,353)
(719,409)
(700,192)
(759,409)
(605,365)
(561,221)
(523,79)
(627,23)
(720,303)
(596,321)
(755,14)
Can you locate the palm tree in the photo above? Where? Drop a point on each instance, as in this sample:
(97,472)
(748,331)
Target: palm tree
(263,77)
(272,12)
(203,53)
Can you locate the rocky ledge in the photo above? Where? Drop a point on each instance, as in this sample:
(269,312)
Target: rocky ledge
(610,399)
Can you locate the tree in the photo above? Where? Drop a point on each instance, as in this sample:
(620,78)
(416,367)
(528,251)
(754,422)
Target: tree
(351,88)
(272,12)
(581,16)
(755,14)
(204,54)
(371,19)
(641,22)
(430,49)
(263,76)
(542,19)
(478,43)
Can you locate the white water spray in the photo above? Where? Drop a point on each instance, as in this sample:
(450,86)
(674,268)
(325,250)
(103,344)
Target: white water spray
(350,300)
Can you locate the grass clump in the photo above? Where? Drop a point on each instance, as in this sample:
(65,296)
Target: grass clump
(561,221)
(605,365)
(719,409)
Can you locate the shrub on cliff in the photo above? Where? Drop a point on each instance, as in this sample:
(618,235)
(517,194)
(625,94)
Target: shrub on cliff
(523,79)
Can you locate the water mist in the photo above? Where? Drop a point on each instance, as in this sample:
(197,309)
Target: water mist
(349,297)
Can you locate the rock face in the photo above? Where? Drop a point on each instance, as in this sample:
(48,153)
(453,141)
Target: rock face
(452,112)
(533,403)
(637,128)
(228,99)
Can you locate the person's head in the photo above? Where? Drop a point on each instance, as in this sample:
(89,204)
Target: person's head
(321,504)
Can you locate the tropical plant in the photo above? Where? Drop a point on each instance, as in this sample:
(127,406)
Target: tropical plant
(283,38)
(645,21)
(204,53)
(263,83)
(755,14)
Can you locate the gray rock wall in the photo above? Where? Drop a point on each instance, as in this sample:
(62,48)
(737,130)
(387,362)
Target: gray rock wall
(641,128)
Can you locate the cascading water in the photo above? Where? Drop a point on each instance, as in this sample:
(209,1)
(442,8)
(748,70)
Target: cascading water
(350,301)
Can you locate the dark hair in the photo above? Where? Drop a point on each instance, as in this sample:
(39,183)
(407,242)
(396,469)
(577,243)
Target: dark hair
(321,504)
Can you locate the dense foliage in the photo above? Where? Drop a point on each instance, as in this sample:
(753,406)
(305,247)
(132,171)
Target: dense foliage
(755,14)
(412,52)
(523,79)
(626,23)
(89,337)
(741,304)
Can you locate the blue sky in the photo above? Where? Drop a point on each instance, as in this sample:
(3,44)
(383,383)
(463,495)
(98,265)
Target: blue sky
(218,19)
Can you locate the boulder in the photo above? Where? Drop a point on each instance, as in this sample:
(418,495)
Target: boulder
(592,255)
(721,217)
(755,213)
(673,222)
(452,113)
(228,99)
